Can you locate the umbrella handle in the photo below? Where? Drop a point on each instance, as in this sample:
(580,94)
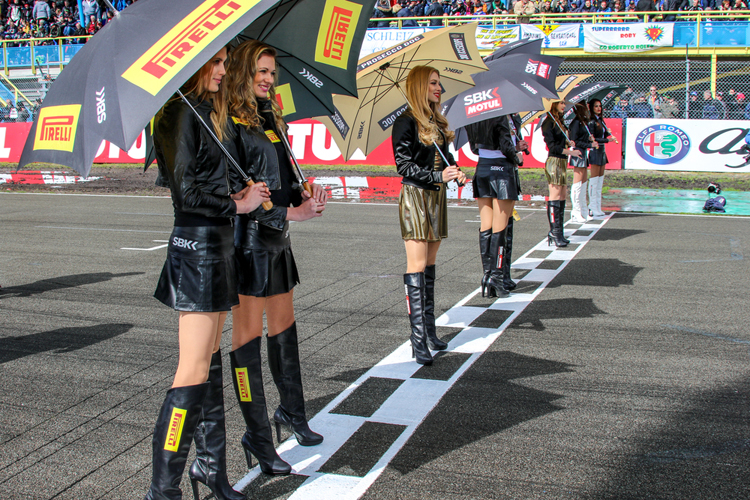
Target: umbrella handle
(267,205)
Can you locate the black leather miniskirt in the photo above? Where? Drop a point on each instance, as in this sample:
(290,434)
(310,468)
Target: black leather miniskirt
(199,274)
(496,178)
(265,263)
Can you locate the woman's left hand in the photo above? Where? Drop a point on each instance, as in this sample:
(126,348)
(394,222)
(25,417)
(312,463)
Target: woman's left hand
(595,145)
(461,178)
(320,194)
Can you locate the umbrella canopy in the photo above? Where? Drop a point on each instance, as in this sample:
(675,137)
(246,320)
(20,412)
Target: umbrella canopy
(124,74)
(512,84)
(523,46)
(565,84)
(364,123)
(604,91)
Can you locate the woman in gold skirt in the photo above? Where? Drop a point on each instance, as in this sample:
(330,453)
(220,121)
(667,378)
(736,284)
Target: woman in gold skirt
(417,134)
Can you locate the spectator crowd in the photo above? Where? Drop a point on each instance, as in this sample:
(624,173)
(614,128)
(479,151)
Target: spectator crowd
(731,105)
(26,19)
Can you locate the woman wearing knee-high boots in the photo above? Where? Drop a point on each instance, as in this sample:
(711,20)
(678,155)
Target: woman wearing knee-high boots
(555,170)
(198,280)
(267,272)
(584,140)
(496,188)
(422,201)
(597,157)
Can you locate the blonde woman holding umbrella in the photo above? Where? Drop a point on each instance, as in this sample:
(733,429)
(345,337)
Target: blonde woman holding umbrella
(419,137)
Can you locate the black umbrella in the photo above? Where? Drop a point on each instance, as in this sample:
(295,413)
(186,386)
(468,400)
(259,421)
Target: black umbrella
(505,89)
(524,46)
(123,75)
(604,91)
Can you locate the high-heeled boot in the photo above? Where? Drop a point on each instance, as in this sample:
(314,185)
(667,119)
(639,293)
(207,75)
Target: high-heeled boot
(575,200)
(595,195)
(584,204)
(210,465)
(173,434)
(433,342)
(415,292)
(248,387)
(484,252)
(497,249)
(508,283)
(562,218)
(555,216)
(283,360)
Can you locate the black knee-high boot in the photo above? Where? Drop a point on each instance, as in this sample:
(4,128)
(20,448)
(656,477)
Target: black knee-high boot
(415,293)
(508,283)
(555,217)
(484,252)
(562,218)
(210,465)
(433,342)
(248,387)
(283,360)
(173,434)
(497,248)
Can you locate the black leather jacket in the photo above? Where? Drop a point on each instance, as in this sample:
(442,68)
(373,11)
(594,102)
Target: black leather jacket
(416,161)
(495,134)
(554,138)
(579,135)
(600,132)
(192,162)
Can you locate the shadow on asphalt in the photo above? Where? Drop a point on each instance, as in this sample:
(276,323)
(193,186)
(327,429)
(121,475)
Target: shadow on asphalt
(483,402)
(60,283)
(58,341)
(701,452)
(532,317)
(611,234)
(596,272)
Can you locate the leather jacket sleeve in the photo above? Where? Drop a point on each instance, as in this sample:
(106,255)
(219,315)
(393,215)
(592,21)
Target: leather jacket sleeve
(406,145)
(505,141)
(188,159)
(274,218)
(579,135)
(599,131)
(554,145)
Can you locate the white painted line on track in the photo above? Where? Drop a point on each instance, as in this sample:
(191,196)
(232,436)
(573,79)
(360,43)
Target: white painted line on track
(104,229)
(415,398)
(152,248)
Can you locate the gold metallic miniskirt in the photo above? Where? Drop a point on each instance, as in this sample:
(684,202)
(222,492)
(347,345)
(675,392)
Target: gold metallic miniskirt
(555,169)
(423,213)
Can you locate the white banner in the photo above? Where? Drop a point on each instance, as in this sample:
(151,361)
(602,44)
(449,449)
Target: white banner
(556,36)
(686,145)
(385,38)
(489,38)
(627,37)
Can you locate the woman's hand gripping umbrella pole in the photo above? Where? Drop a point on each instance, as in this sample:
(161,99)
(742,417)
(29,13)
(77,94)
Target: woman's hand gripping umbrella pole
(246,178)
(297,169)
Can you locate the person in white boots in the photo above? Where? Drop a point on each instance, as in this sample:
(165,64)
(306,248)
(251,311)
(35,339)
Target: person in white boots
(597,157)
(581,136)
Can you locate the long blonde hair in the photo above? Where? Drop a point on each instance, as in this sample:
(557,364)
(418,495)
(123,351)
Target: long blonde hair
(197,86)
(242,67)
(430,121)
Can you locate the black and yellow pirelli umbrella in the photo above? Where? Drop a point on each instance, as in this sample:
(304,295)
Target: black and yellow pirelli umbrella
(127,71)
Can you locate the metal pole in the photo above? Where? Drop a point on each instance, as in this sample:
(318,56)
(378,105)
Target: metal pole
(687,83)
(112,8)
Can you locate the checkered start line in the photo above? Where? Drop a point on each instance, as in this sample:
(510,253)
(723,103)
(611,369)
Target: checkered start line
(383,408)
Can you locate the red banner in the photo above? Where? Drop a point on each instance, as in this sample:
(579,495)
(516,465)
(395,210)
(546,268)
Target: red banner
(312,144)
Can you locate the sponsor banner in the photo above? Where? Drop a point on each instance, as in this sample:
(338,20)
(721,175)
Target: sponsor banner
(312,145)
(174,432)
(336,32)
(627,37)
(489,38)
(385,38)
(556,36)
(46,177)
(686,145)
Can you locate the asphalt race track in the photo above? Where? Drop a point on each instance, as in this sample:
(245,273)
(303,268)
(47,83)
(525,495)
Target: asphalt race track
(619,370)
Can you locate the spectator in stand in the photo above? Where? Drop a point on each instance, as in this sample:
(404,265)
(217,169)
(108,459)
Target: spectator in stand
(41,11)
(417,8)
(670,108)
(79,31)
(458,8)
(69,11)
(674,5)
(722,105)
(695,6)
(736,106)
(747,108)
(524,9)
(435,9)
(641,108)
(603,7)
(587,7)
(622,110)
(383,10)
(559,6)
(712,109)
(655,101)
(121,4)
(644,6)
(15,12)
(90,8)
(406,12)
(546,8)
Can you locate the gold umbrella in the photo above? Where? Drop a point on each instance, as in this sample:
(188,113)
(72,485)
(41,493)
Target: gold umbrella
(365,122)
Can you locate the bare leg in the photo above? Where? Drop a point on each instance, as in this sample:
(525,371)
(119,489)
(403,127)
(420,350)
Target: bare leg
(416,255)
(279,312)
(247,320)
(485,213)
(502,210)
(557,192)
(198,337)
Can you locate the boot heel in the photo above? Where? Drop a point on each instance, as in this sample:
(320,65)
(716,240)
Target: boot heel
(196,493)
(249,458)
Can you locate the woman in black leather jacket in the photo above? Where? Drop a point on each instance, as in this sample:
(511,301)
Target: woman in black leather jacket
(496,188)
(584,140)
(267,273)
(423,202)
(597,157)
(198,280)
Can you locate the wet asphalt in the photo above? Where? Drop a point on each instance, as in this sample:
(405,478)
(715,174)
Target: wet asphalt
(628,377)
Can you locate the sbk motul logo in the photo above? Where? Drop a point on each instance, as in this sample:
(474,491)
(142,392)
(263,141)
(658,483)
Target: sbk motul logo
(537,68)
(479,102)
(183,243)
(312,78)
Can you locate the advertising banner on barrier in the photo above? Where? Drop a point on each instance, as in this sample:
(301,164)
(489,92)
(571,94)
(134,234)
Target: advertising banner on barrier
(384,38)
(686,145)
(489,38)
(556,36)
(312,145)
(627,37)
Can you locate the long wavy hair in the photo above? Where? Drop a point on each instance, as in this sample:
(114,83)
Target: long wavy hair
(430,121)
(242,67)
(197,87)
(599,115)
(558,116)
(581,112)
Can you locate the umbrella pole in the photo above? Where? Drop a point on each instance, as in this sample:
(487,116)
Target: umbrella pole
(267,205)
(112,8)
(298,170)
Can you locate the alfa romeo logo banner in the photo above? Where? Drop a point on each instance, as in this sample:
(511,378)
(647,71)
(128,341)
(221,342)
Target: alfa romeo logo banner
(630,37)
